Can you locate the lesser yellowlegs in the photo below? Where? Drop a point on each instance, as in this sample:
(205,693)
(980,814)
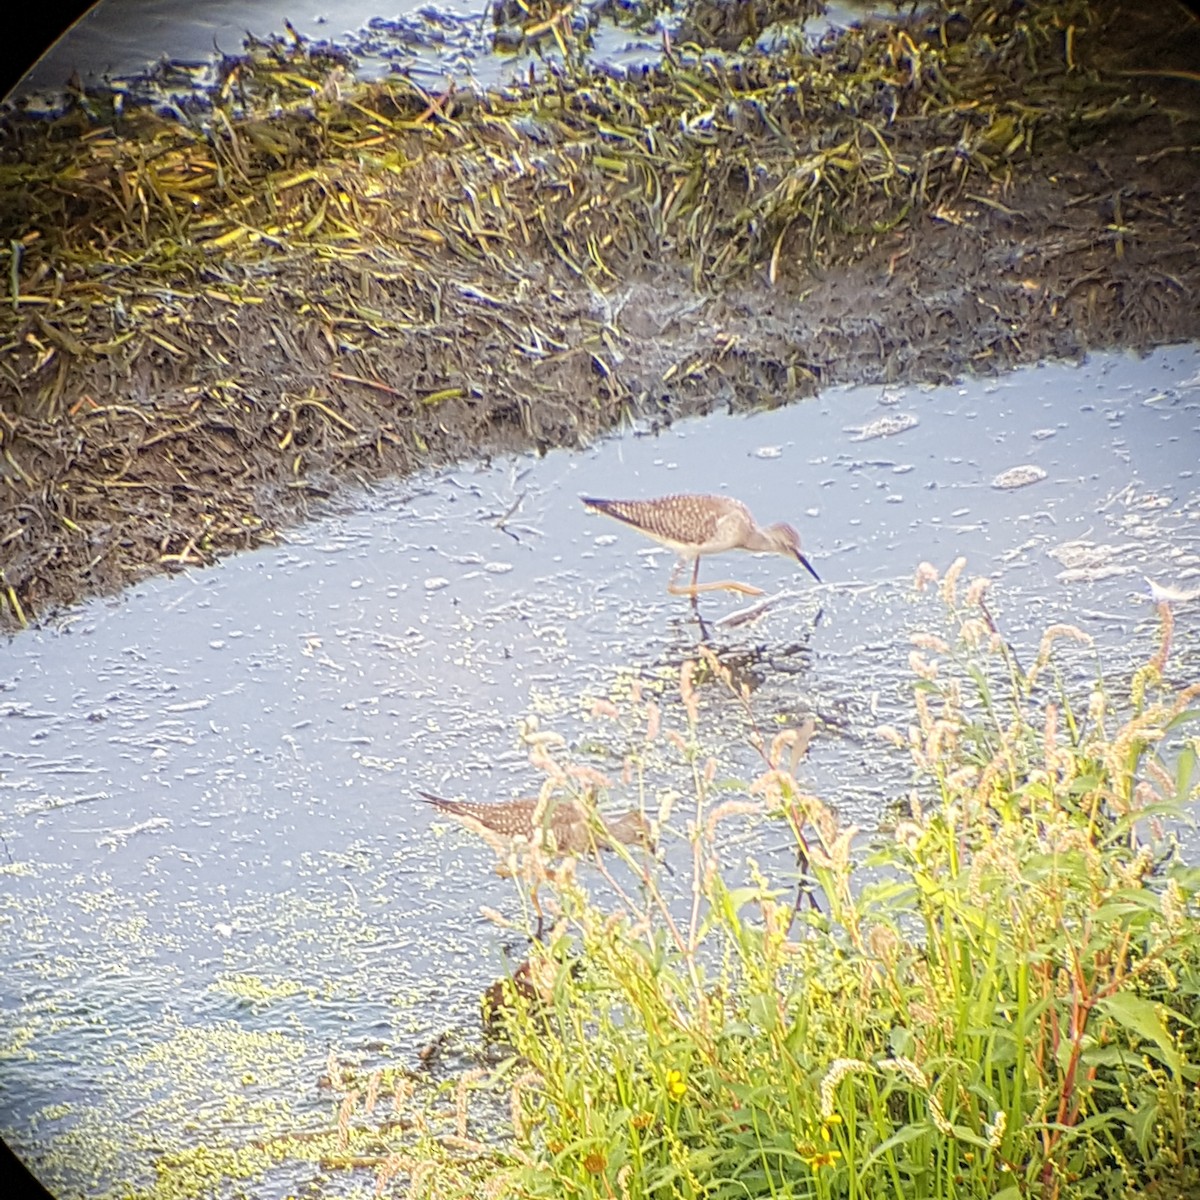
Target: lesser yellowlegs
(695,525)
(562,828)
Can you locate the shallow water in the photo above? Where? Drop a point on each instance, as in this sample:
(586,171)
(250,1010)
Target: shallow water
(216,866)
(124,38)
(436,42)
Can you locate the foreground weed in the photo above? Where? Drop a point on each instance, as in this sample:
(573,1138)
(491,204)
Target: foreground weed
(996,998)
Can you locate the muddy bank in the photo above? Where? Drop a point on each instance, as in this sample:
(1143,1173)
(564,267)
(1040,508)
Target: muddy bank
(216,319)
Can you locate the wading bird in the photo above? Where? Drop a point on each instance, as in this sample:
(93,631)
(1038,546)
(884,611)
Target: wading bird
(563,827)
(696,525)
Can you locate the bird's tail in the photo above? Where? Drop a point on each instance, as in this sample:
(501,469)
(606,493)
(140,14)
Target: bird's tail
(629,511)
(456,808)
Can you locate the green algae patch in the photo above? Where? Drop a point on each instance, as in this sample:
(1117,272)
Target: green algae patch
(294,1055)
(257,992)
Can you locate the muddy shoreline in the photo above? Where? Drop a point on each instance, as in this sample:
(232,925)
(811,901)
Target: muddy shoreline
(159,410)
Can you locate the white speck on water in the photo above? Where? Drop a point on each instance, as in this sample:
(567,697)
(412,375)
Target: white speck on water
(1086,556)
(1018,477)
(497,568)
(1092,574)
(882,427)
(769,452)
(436,583)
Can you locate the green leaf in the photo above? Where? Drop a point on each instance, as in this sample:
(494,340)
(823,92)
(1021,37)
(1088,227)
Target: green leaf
(1124,905)
(1142,1122)
(1185,772)
(1108,1056)
(1141,1017)
(764,1010)
(906,1134)
(1188,714)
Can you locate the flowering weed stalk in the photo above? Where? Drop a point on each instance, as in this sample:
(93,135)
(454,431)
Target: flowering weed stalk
(998,996)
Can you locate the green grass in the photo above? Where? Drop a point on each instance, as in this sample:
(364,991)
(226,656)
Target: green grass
(996,998)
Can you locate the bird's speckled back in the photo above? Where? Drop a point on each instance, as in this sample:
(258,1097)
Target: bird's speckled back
(685,519)
(565,822)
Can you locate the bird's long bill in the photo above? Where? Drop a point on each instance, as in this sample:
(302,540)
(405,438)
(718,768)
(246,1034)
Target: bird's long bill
(800,558)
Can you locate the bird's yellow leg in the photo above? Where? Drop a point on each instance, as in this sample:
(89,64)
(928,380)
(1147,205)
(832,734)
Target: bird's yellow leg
(725,585)
(674,588)
(694,589)
(730,585)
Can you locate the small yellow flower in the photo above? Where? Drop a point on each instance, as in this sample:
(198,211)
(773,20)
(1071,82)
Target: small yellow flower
(826,1158)
(676,1084)
(594,1163)
(642,1120)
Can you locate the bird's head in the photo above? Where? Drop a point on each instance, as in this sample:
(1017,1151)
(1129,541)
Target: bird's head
(632,829)
(786,541)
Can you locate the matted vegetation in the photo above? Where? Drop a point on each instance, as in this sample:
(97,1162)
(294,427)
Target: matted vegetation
(215,315)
